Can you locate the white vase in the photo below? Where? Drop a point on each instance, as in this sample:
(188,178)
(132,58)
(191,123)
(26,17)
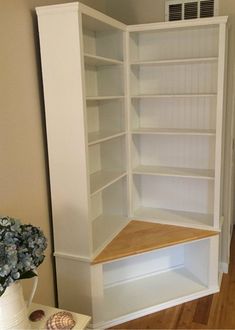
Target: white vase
(13,309)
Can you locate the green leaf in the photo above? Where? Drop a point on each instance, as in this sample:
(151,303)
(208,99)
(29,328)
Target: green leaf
(28,274)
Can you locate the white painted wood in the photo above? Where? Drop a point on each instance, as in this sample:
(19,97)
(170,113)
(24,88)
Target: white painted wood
(224,268)
(98,137)
(196,260)
(128,123)
(175,44)
(74,282)
(97,292)
(197,78)
(135,287)
(63,92)
(219,126)
(148,96)
(173,131)
(174,151)
(178,24)
(174,193)
(177,61)
(106,162)
(100,60)
(105,228)
(103,179)
(141,294)
(177,113)
(105,116)
(142,139)
(214,261)
(100,98)
(128,269)
(155,308)
(175,217)
(103,45)
(98,81)
(174,171)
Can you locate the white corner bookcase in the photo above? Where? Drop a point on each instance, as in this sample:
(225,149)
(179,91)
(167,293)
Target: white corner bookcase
(135,122)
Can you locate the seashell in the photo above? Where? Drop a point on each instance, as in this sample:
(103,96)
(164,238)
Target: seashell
(60,321)
(37,315)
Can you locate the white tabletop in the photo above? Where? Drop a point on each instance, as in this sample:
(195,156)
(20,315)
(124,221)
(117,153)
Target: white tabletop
(81,320)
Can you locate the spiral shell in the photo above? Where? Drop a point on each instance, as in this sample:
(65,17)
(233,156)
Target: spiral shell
(60,321)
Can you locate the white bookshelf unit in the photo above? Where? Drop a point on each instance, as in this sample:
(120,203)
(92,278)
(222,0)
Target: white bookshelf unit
(135,122)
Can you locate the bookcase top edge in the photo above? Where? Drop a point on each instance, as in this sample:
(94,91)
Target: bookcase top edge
(80,7)
(178,24)
(50,9)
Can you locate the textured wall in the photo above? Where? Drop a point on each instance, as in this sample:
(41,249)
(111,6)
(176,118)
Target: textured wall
(136,11)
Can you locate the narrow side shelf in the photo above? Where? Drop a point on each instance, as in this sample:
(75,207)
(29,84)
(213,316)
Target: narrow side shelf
(102,136)
(175,171)
(102,179)
(139,237)
(104,98)
(100,60)
(174,131)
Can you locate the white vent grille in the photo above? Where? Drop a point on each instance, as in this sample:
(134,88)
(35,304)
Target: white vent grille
(177,10)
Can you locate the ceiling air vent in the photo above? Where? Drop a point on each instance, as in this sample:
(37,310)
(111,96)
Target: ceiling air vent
(177,10)
(190,10)
(207,8)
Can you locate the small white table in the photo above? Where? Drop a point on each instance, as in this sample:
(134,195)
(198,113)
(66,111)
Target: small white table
(81,320)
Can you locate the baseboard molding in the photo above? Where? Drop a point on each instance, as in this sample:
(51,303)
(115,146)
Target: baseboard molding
(224,267)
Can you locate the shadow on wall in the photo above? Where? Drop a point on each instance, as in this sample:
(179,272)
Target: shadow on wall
(136,11)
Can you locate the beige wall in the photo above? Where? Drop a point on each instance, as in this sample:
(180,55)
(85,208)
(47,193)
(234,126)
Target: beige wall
(23,169)
(136,11)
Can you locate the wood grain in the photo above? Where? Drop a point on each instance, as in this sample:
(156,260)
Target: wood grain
(139,237)
(212,312)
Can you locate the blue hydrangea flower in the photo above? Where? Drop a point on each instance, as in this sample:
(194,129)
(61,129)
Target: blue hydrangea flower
(21,251)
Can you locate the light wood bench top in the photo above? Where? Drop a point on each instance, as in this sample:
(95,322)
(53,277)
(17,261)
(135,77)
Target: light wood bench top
(139,237)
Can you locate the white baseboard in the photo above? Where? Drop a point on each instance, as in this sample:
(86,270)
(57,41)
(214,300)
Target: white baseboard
(224,267)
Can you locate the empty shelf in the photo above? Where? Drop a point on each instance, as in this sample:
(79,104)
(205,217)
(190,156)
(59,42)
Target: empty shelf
(97,137)
(102,179)
(154,290)
(173,217)
(174,131)
(177,61)
(100,60)
(103,98)
(175,171)
(140,96)
(139,237)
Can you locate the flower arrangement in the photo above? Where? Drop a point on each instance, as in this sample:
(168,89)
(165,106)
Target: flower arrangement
(21,251)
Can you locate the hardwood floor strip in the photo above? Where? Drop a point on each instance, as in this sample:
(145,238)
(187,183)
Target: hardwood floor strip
(203,309)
